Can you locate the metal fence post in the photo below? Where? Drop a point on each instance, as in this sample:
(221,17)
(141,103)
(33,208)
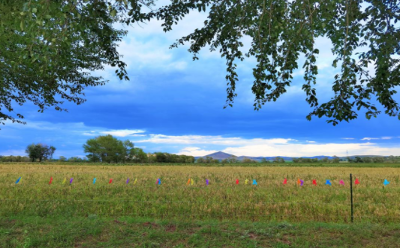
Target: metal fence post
(351,196)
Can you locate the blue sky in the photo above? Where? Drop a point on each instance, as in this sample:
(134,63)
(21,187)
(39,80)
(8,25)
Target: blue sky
(174,104)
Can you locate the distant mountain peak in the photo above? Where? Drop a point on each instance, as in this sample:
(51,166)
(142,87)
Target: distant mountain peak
(219,155)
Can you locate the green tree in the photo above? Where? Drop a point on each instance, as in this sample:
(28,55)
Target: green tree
(108,149)
(62,159)
(39,152)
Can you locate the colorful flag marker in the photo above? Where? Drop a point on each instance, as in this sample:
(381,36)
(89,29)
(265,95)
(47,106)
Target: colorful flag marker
(191,181)
(19,179)
(159,181)
(298,181)
(246,181)
(301,182)
(110,181)
(188,182)
(285,181)
(70,181)
(328,182)
(65,180)
(237,181)
(94,180)
(127,180)
(357,181)
(386,182)
(254,182)
(135,181)
(341,182)
(206,181)
(51,180)
(314,182)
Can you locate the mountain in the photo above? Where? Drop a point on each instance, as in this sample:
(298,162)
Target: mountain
(219,155)
(223,155)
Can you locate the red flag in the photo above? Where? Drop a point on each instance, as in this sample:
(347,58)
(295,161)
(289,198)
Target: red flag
(110,181)
(51,180)
(314,182)
(237,181)
(285,181)
(357,182)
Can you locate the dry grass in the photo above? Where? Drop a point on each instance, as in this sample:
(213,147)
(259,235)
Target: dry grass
(221,200)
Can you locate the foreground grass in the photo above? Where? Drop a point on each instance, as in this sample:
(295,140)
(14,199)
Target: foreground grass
(133,232)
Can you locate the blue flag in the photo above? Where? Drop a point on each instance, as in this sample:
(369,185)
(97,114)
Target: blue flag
(254,182)
(386,182)
(94,180)
(328,182)
(19,179)
(159,181)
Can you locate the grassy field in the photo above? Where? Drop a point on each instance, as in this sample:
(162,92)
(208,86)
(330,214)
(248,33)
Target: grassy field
(174,203)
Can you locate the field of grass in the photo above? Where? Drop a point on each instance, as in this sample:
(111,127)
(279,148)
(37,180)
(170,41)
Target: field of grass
(175,202)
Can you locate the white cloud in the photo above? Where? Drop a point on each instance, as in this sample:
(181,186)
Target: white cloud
(13,153)
(311,141)
(368,138)
(211,140)
(298,150)
(124,133)
(195,151)
(386,138)
(348,138)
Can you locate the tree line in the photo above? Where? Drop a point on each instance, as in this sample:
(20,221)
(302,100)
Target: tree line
(108,149)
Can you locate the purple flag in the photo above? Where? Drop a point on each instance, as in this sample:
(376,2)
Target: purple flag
(71,180)
(206,181)
(127,180)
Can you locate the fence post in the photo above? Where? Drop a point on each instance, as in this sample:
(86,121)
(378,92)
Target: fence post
(351,196)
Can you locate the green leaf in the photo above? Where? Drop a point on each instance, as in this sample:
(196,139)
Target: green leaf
(34,10)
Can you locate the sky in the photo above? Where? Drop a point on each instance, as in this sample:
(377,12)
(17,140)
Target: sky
(174,104)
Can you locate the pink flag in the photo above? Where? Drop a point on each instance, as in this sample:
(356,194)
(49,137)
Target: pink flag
(285,181)
(237,181)
(357,182)
(341,182)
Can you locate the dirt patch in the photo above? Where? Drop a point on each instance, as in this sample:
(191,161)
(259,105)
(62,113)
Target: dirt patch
(252,235)
(150,224)
(170,228)
(119,222)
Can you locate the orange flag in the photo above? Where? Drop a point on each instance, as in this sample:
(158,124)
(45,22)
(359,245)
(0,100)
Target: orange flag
(298,181)
(188,182)
(314,182)
(357,182)
(237,181)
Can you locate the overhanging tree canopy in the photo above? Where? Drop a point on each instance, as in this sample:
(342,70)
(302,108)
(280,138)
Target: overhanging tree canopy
(58,45)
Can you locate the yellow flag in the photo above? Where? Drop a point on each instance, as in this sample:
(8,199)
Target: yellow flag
(191,181)
(246,181)
(188,182)
(65,179)
(135,181)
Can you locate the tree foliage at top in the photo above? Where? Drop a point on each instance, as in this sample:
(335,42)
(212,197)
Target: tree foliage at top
(364,33)
(49,49)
